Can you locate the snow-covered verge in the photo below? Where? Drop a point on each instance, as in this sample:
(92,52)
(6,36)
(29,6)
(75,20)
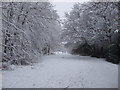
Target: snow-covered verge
(63,71)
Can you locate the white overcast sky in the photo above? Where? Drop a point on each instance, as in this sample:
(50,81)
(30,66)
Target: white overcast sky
(64,6)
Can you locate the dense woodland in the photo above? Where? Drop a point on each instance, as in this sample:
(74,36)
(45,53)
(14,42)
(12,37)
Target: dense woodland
(93,29)
(31,30)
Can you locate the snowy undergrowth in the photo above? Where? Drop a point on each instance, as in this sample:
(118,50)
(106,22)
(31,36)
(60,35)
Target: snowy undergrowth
(64,71)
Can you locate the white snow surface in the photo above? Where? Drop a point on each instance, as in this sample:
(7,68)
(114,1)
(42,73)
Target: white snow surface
(63,71)
(0,79)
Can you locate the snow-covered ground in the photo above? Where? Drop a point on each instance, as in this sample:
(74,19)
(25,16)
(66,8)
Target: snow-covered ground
(64,71)
(0,79)
(0,75)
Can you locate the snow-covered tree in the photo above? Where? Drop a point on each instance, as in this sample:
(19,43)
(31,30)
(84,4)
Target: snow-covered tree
(29,29)
(91,26)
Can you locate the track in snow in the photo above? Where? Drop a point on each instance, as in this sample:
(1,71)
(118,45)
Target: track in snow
(64,71)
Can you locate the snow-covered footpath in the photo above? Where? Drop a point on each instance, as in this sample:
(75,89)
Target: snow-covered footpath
(64,71)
